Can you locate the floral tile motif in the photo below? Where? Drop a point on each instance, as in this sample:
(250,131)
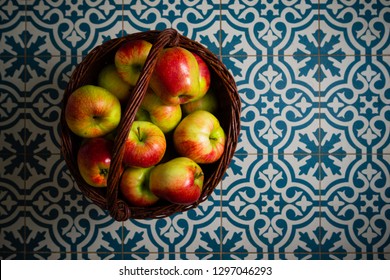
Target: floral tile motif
(278,109)
(198,20)
(365,24)
(12,22)
(271,207)
(309,178)
(69,27)
(182,232)
(60,219)
(45,86)
(359,105)
(356,209)
(264,27)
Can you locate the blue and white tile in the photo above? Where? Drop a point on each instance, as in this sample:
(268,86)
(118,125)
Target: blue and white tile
(272,207)
(364,24)
(59,218)
(45,86)
(11,107)
(12,240)
(181,233)
(198,20)
(360,105)
(278,109)
(12,22)
(263,27)
(356,209)
(71,28)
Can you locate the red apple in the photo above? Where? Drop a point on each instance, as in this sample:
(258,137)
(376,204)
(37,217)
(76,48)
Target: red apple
(134,187)
(110,80)
(179,181)
(200,137)
(207,103)
(175,78)
(152,109)
(130,59)
(145,145)
(204,76)
(94,159)
(92,111)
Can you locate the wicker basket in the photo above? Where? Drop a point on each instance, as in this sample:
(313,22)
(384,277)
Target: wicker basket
(86,73)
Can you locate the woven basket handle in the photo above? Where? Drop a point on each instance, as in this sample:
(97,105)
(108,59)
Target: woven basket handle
(118,208)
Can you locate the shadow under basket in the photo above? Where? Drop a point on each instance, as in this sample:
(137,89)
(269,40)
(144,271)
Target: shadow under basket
(86,72)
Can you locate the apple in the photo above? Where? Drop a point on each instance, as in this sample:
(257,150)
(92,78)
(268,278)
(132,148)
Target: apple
(130,59)
(152,109)
(204,75)
(92,111)
(109,79)
(200,137)
(145,145)
(207,103)
(94,159)
(175,78)
(134,186)
(178,181)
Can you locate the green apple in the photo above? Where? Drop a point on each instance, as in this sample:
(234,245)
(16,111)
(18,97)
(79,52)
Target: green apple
(175,78)
(134,186)
(152,109)
(92,111)
(178,181)
(145,145)
(110,80)
(130,59)
(200,137)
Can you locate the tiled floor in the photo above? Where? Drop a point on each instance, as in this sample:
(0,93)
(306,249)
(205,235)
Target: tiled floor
(311,175)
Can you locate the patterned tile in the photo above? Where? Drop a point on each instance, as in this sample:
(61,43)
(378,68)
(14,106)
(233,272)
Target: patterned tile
(45,86)
(359,105)
(278,108)
(12,22)
(360,25)
(182,233)
(355,210)
(59,218)
(272,207)
(72,28)
(198,20)
(309,178)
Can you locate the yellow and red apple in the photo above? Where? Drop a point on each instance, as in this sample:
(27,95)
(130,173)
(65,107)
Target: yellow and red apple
(92,111)
(130,59)
(175,78)
(165,116)
(179,181)
(134,186)
(145,145)
(200,137)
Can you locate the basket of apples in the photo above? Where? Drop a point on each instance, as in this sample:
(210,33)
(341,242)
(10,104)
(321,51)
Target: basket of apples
(150,123)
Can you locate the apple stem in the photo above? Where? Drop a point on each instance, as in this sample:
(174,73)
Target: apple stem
(104,172)
(198,175)
(139,134)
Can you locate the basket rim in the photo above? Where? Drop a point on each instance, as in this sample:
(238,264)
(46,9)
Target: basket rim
(109,198)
